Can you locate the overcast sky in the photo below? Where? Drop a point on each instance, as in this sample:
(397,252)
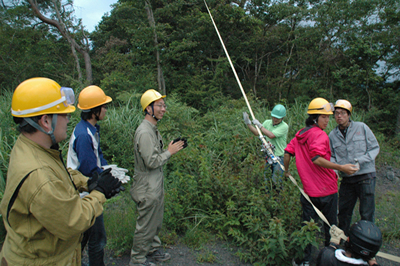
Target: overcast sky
(91,11)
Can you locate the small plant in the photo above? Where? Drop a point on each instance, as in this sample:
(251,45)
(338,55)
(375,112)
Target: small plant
(206,256)
(196,238)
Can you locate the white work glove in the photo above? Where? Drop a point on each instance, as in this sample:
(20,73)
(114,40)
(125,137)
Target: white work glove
(246,118)
(257,123)
(337,234)
(118,172)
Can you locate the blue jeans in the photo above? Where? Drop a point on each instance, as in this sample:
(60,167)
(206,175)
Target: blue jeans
(96,235)
(275,181)
(348,195)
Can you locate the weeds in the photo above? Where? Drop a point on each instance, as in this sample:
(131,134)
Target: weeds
(215,187)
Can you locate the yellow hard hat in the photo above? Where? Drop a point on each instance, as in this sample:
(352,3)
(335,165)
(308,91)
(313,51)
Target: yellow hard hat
(344,104)
(320,106)
(91,97)
(150,96)
(39,96)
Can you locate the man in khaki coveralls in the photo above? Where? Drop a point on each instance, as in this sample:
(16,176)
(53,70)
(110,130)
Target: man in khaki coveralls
(42,211)
(148,181)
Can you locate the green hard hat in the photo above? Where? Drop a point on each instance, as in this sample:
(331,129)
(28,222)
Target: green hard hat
(279,111)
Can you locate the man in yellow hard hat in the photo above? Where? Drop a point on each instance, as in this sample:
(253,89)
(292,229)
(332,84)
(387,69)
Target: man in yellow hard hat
(148,181)
(312,151)
(41,208)
(86,156)
(354,142)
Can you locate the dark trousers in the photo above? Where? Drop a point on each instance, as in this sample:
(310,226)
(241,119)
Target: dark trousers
(96,236)
(328,206)
(348,195)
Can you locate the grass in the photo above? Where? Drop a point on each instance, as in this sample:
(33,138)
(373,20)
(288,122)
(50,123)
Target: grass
(215,186)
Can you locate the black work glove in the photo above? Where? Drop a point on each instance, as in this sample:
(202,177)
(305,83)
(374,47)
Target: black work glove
(92,182)
(118,190)
(107,183)
(184,141)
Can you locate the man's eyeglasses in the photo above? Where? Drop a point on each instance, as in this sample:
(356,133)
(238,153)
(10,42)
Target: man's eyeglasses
(337,113)
(161,105)
(68,116)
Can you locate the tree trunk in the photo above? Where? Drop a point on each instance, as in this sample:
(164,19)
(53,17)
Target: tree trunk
(64,32)
(160,75)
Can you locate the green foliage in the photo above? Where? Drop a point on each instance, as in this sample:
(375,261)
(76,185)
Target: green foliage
(120,220)
(215,187)
(206,256)
(8,135)
(217,183)
(388,220)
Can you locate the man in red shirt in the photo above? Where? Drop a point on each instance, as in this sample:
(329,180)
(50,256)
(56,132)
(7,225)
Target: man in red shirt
(313,153)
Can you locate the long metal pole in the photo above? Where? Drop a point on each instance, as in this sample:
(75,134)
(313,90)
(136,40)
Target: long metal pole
(383,255)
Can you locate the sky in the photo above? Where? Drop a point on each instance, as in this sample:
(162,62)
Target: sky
(91,11)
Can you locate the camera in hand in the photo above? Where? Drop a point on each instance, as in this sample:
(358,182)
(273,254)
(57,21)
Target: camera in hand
(183,139)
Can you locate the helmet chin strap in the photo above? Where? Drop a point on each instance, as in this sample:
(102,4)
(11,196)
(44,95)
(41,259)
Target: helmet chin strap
(316,121)
(152,109)
(50,133)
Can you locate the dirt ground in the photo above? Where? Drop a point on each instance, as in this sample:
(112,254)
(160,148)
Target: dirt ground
(181,255)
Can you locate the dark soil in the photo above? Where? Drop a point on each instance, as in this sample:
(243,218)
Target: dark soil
(224,254)
(181,255)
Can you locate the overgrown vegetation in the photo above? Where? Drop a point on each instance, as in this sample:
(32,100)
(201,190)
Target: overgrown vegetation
(215,187)
(283,51)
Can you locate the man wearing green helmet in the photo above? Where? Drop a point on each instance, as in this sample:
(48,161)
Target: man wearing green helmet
(275,130)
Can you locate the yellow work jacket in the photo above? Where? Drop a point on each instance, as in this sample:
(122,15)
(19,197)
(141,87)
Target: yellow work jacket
(47,218)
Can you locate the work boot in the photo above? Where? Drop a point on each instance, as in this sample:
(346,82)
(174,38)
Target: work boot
(303,263)
(159,255)
(146,263)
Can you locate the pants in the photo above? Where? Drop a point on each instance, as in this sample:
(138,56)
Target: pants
(148,226)
(328,206)
(348,195)
(275,182)
(96,235)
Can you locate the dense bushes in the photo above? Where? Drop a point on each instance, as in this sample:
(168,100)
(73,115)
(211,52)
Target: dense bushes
(217,183)
(215,186)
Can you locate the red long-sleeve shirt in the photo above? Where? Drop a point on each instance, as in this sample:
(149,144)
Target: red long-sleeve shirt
(310,143)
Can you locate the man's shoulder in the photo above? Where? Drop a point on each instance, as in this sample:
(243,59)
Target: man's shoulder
(356,126)
(358,123)
(326,257)
(81,128)
(145,127)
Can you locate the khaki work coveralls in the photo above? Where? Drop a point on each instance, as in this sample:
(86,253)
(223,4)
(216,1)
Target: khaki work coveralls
(148,190)
(48,217)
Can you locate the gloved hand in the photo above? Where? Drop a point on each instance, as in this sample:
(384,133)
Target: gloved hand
(107,183)
(92,182)
(337,234)
(118,172)
(246,118)
(257,123)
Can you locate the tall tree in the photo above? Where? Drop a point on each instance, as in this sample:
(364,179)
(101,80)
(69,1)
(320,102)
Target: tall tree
(28,48)
(63,29)
(160,75)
